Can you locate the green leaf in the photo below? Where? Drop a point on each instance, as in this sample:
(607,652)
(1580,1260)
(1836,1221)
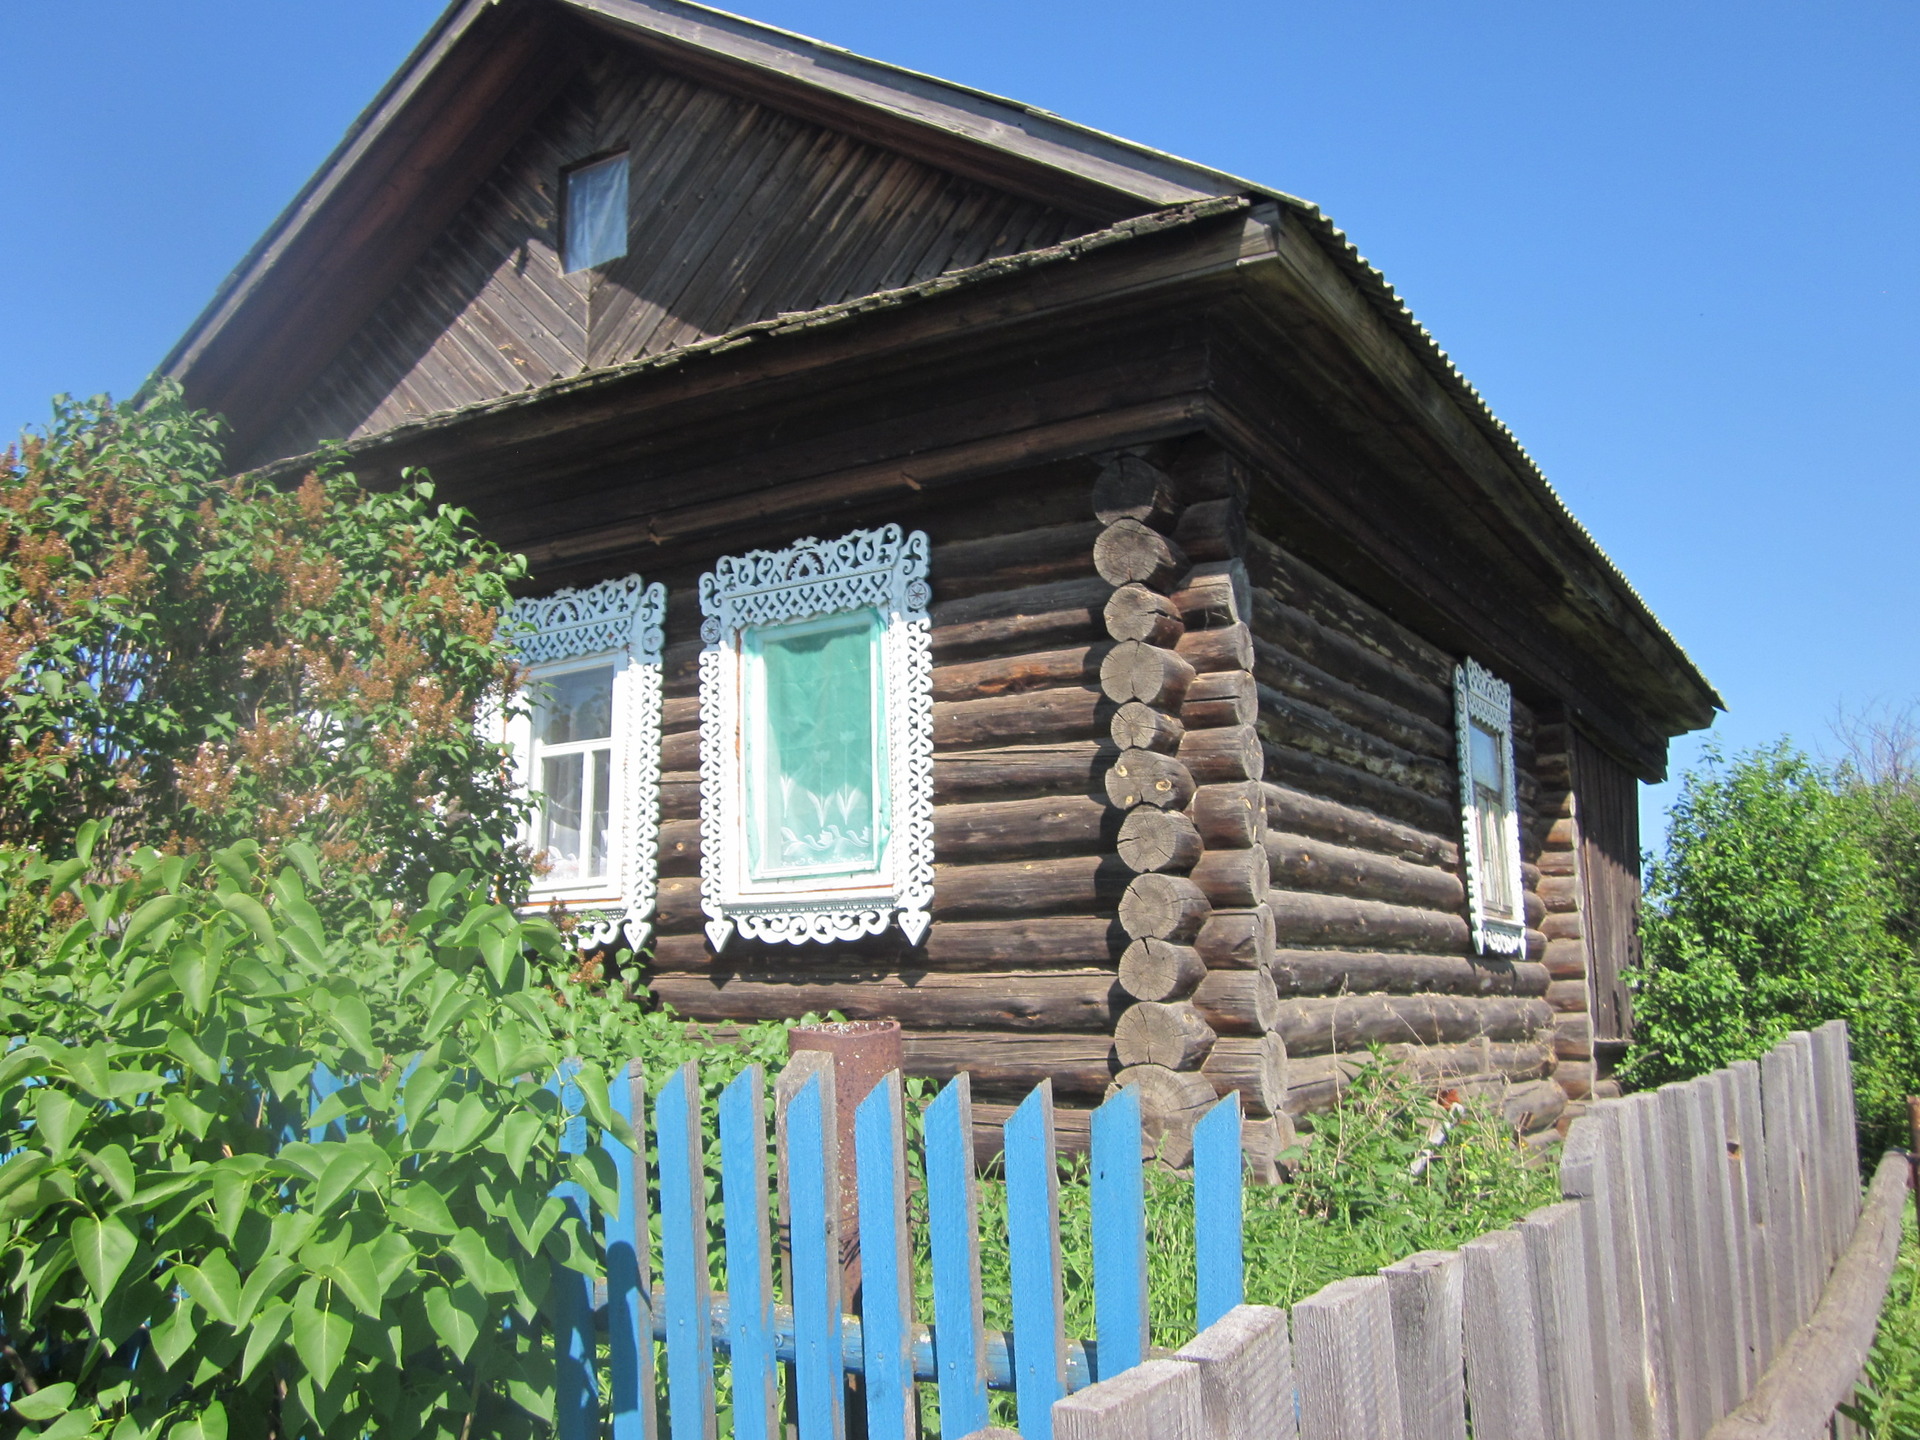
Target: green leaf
(229,1188)
(422,1088)
(113,1165)
(320,1336)
(141,991)
(102,1249)
(460,1125)
(593,1089)
(209,1424)
(264,1336)
(420,1207)
(456,1315)
(215,1284)
(484,1270)
(367,1271)
(22,1168)
(269,1274)
(175,1335)
(253,915)
(196,970)
(70,1426)
(344,1172)
(149,918)
(354,1023)
(64,874)
(46,1402)
(517,1136)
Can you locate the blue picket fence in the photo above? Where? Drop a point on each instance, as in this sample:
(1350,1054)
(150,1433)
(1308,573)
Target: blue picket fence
(605,1345)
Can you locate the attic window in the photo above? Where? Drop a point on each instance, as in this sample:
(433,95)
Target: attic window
(595,201)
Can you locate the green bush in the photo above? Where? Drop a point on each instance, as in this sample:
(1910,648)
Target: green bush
(1887,1404)
(1770,913)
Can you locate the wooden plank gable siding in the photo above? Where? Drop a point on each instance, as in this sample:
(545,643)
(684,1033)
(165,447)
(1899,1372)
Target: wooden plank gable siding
(737,213)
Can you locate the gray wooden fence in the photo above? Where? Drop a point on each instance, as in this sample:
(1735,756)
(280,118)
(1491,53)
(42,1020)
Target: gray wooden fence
(1710,1274)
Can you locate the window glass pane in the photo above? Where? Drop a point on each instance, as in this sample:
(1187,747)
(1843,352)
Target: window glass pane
(597,829)
(575,706)
(1484,748)
(560,806)
(596,218)
(816,776)
(1496,874)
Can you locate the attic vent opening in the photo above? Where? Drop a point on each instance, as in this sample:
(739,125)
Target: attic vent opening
(594,224)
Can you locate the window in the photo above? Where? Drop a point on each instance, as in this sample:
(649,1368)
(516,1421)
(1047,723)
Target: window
(1484,713)
(587,749)
(594,217)
(816,741)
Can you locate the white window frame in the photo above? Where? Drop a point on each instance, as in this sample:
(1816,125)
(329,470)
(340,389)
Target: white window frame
(619,622)
(886,570)
(1481,697)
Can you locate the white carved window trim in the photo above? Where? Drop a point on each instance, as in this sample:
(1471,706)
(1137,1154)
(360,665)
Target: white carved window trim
(884,569)
(620,621)
(1480,697)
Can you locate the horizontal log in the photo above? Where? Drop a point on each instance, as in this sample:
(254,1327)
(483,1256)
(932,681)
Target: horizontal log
(1560,893)
(1034,617)
(1153,969)
(1171,1102)
(1070,713)
(1129,488)
(1290,630)
(1212,529)
(1173,1035)
(932,999)
(1220,697)
(1028,887)
(1228,648)
(1237,939)
(1562,927)
(1232,879)
(679,847)
(1001,829)
(1072,1131)
(1575,1077)
(1141,777)
(1257,1068)
(1163,907)
(1316,1082)
(1127,552)
(1039,556)
(1059,768)
(1223,756)
(1133,612)
(1012,1063)
(1152,839)
(1078,666)
(1087,941)
(1334,972)
(1138,726)
(1573,1037)
(1295,810)
(1299,725)
(1215,593)
(1237,1002)
(1558,862)
(679,795)
(1314,1026)
(1533,1106)
(1341,611)
(1336,781)
(1133,670)
(680,751)
(1230,816)
(1291,676)
(1206,472)
(677,904)
(1566,959)
(1300,862)
(1568,996)
(682,712)
(1335,921)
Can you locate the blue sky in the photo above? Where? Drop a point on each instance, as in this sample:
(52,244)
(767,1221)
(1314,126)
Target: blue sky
(1675,245)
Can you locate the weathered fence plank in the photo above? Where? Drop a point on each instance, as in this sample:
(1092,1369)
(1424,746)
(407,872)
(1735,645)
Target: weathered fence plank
(1744,1085)
(1592,1173)
(1245,1362)
(1703,1385)
(1783,1245)
(1156,1400)
(1556,1265)
(1648,1259)
(1424,1293)
(1502,1345)
(1344,1362)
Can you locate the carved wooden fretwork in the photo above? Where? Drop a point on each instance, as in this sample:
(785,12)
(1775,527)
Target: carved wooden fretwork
(1482,698)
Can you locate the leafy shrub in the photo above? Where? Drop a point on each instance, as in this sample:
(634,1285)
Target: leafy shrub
(1887,1404)
(1770,913)
(185,1251)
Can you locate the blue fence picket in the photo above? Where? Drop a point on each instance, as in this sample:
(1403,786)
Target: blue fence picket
(953,1224)
(683,1257)
(1217,1212)
(819,1375)
(886,1270)
(323,1084)
(743,1188)
(1119,1236)
(1033,1243)
(576,1393)
(629,1303)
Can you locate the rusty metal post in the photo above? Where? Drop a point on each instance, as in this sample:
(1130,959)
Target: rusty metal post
(863,1051)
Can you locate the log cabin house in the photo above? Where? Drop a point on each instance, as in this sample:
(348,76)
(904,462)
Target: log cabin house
(987,574)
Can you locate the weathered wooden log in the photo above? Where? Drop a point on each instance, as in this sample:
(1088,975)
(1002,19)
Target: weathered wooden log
(1237,1002)
(1302,863)
(1153,839)
(1206,472)
(1129,488)
(1575,1077)
(1028,887)
(1533,1106)
(1127,552)
(1163,907)
(1291,630)
(1034,617)
(680,713)
(1154,969)
(1297,811)
(1237,939)
(1560,893)
(1230,816)
(1133,612)
(1213,593)
(1568,996)
(1141,777)
(1352,1022)
(935,999)
(1232,879)
(1002,829)
(1573,1037)
(1562,927)
(974,776)
(1133,670)
(1228,648)
(1566,959)
(681,751)
(677,904)
(1070,713)
(1288,675)
(1039,556)
(1220,697)
(1338,781)
(1152,1033)
(1340,610)
(1015,942)
(1017,674)
(1299,725)
(1256,1067)
(1335,921)
(1223,756)
(1012,1063)
(1316,1082)
(679,847)
(1171,1101)
(1212,530)
(1138,726)
(1333,972)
